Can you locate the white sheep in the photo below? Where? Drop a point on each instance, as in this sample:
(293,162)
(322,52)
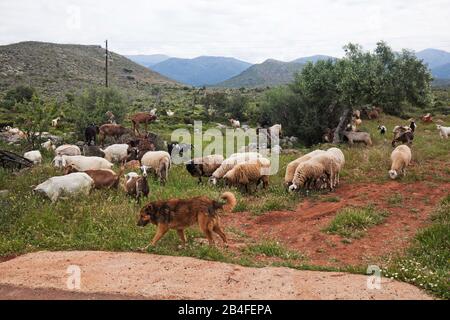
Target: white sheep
(159,163)
(34,156)
(339,158)
(205,166)
(444,132)
(310,171)
(400,157)
(68,150)
(116,153)
(292,166)
(82,163)
(71,184)
(48,145)
(231,162)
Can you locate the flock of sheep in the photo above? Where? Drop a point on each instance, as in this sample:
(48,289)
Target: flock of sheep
(317,170)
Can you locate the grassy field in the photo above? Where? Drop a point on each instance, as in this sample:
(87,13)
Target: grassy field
(106,220)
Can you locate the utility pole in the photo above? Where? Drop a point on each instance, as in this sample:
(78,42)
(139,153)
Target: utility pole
(106,64)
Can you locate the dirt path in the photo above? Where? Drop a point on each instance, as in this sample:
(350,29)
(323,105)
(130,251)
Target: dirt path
(301,229)
(107,275)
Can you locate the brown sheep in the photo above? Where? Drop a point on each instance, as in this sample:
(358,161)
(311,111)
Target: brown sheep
(103,178)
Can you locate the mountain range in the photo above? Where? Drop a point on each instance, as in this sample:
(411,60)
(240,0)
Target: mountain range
(201,71)
(148,60)
(233,73)
(56,68)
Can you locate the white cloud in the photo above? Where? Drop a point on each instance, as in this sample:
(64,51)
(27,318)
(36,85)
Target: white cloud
(252,30)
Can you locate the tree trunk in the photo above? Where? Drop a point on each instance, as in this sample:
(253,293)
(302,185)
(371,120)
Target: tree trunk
(344,120)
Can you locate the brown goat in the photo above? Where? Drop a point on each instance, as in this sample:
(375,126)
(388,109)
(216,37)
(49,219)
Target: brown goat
(373,115)
(137,186)
(111,130)
(102,178)
(142,117)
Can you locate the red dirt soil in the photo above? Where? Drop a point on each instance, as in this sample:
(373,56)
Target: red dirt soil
(301,229)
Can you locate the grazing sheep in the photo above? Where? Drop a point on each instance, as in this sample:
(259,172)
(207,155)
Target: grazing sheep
(382,130)
(82,163)
(245,174)
(71,184)
(400,157)
(406,137)
(68,150)
(204,167)
(137,186)
(116,153)
(231,162)
(93,151)
(292,166)
(159,162)
(399,130)
(48,145)
(34,156)
(444,132)
(358,137)
(103,178)
(339,158)
(308,172)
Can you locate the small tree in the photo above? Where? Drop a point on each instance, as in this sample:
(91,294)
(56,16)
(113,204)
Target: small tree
(35,117)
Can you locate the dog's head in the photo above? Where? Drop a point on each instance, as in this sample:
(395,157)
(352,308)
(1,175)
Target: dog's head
(145,215)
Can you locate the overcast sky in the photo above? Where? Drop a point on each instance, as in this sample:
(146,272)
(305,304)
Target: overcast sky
(252,30)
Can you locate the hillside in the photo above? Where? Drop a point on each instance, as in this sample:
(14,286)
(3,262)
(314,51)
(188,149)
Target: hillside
(438,61)
(441,72)
(201,70)
(148,60)
(313,59)
(56,68)
(269,73)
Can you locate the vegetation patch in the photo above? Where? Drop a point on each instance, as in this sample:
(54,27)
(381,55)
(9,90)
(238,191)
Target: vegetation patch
(426,263)
(272,249)
(353,222)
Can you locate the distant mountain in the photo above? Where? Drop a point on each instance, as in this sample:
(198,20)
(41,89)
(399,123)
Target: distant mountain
(313,59)
(434,57)
(148,60)
(269,73)
(441,72)
(438,61)
(57,68)
(201,71)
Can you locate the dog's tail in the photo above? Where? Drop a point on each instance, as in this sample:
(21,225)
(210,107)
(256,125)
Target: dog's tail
(230,203)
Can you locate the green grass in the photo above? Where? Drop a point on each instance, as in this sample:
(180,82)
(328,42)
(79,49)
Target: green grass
(272,249)
(395,200)
(353,222)
(426,263)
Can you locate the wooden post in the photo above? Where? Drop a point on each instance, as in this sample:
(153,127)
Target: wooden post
(106,65)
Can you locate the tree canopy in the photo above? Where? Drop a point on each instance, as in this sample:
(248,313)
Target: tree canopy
(322,91)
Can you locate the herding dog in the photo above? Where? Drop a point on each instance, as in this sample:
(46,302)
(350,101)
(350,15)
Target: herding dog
(179,214)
